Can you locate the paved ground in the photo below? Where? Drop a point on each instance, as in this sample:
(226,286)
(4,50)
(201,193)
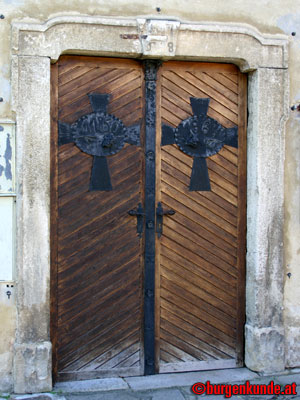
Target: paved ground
(164,387)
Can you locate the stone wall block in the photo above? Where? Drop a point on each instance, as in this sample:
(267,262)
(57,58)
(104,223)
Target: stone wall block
(242,44)
(238,47)
(33,198)
(32,370)
(90,39)
(32,363)
(292,340)
(264,349)
(268,110)
(158,37)
(266,155)
(265,289)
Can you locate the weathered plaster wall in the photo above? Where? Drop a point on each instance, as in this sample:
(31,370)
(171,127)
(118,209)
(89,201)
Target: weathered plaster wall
(268,16)
(291,23)
(265,15)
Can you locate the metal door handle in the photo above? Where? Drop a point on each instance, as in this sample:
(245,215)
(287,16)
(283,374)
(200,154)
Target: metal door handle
(139,212)
(160,212)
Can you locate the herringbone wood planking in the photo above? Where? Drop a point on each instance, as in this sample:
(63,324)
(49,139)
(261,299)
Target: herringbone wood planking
(199,277)
(99,266)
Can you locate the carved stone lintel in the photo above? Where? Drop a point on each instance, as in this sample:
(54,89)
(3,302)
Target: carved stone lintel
(158,37)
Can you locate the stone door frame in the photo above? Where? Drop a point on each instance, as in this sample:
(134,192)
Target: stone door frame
(263,57)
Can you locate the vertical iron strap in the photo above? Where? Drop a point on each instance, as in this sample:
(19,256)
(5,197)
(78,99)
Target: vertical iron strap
(151,67)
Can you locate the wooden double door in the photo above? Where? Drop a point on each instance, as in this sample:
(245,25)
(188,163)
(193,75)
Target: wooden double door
(148,216)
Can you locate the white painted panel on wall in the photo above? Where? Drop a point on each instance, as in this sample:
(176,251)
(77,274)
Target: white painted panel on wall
(7,157)
(6,238)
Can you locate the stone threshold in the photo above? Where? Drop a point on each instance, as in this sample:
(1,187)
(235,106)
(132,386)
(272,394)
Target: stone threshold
(160,381)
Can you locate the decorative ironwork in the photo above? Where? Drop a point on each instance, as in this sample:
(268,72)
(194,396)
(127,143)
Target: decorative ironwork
(200,136)
(139,212)
(151,67)
(99,134)
(160,212)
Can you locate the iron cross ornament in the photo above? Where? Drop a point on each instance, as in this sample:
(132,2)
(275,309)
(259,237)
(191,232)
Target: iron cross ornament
(99,134)
(200,137)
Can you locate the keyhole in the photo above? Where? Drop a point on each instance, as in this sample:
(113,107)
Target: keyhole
(8,293)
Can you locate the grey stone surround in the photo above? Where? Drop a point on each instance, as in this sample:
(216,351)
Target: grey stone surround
(264,57)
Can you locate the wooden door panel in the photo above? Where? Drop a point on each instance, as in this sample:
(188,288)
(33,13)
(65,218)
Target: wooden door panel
(97,257)
(98,290)
(199,305)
